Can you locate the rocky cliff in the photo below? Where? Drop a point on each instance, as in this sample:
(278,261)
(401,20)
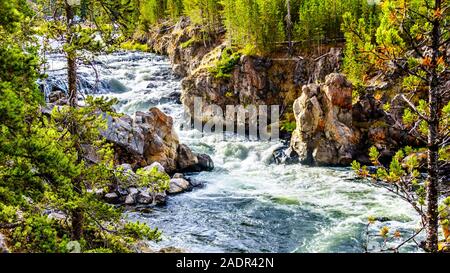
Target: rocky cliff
(331,129)
(256,80)
(325,134)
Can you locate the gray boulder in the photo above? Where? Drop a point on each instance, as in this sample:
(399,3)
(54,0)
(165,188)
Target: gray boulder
(178,185)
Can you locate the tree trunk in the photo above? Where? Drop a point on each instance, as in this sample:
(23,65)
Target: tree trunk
(289,27)
(433,144)
(71,59)
(77,213)
(77,224)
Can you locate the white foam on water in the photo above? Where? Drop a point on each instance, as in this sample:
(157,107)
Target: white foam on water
(248,205)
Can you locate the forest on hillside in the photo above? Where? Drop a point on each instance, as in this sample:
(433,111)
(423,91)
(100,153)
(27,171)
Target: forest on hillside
(62,176)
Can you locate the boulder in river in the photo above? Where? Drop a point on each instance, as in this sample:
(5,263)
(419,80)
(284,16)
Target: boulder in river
(149,137)
(189,161)
(178,185)
(324,133)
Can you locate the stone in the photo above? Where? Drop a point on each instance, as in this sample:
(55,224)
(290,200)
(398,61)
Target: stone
(324,134)
(144,197)
(338,90)
(56,96)
(112,198)
(196,183)
(158,166)
(159,198)
(186,158)
(178,175)
(130,199)
(144,139)
(205,162)
(133,191)
(178,185)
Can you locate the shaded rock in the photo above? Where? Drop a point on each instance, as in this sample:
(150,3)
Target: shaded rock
(196,183)
(178,175)
(178,185)
(131,197)
(159,198)
(133,191)
(189,161)
(122,192)
(284,155)
(186,158)
(144,197)
(112,198)
(57,97)
(205,163)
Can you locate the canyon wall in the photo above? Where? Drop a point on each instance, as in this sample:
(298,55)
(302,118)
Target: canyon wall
(331,129)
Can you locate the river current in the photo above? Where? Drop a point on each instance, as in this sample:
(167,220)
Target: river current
(247,204)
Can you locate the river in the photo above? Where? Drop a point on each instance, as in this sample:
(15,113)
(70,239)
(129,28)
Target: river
(247,204)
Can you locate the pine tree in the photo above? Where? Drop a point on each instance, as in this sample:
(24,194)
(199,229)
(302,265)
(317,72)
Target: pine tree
(413,39)
(43,165)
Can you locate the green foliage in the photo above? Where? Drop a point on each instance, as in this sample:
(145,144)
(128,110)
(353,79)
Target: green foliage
(189,43)
(141,231)
(134,46)
(153,179)
(152,11)
(203,12)
(225,65)
(48,176)
(258,23)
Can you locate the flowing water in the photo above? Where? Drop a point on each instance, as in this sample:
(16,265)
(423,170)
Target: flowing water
(247,204)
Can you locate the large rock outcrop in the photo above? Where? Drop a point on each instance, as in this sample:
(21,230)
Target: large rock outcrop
(324,133)
(255,80)
(149,137)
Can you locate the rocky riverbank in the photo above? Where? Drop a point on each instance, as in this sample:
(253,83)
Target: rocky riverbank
(145,141)
(331,127)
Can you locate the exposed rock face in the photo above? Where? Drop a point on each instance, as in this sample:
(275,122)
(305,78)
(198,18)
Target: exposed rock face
(183,44)
(324,133)
(254,80)
(148,138)
(378,129)
(144,139)
(193,162)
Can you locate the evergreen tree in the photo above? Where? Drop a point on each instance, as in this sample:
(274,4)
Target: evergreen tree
(43,163)
(413,39)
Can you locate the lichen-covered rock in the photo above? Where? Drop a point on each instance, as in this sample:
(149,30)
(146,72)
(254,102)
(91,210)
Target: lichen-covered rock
(324,133)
